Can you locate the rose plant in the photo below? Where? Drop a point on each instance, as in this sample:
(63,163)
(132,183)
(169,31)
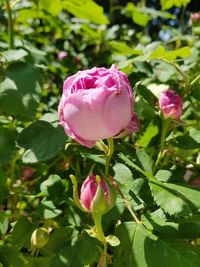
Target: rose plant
(110,178)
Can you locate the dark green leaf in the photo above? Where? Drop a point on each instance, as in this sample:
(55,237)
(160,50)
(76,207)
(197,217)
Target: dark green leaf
(175,199)
(42,141)
(20,91)
(7,148)
(47,210)
(18,237)
(145,160)
(87,248)
(54,188)
(4,222)
(11,257)
(139,247)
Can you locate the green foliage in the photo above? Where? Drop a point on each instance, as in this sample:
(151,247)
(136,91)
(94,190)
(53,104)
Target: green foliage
(161,53)
(86,9)
(142,248)
(171,3)
(41,140)
(175,199)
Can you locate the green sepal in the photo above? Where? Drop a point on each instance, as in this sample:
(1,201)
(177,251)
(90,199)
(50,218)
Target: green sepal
(75,193)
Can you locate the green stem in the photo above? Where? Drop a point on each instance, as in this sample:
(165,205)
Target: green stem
(182,21)
(126,202)
(99,230)
(165,124)
(109,155)
(195,80)
(10,24)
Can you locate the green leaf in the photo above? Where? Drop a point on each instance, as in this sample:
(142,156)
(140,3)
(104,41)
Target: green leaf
(195,134)
(47,210)
(133,165)
(186,228)
(54,188)
(15,55)
(4,192)
(183,52)
(7,148)
(138,15)
(87,248)
(161,53)
(41,141)
(122,48)
(154,13)
(123,175)
(11,257)
(18,237)
(174,199)
(25,14)
(170,3)
(140,193)
(67,256)
(189,140)
(145,160)
(140,18)
(150,132)
(60,238)
(139,247)
(20,91)
(164,175)
(38,262)
(53,7)
(86,9)
(4,222)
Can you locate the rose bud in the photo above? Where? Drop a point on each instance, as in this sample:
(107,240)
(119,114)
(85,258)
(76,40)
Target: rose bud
(96,104)
(97,195)
(195,18)
(39,238)
(27,173)
(62,55)
(171,104)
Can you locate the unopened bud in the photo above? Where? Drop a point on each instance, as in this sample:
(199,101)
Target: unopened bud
(171,104)
(39,238)
(97,195)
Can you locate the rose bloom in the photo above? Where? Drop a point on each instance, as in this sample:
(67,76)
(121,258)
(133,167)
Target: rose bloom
(96,104)
(171,104)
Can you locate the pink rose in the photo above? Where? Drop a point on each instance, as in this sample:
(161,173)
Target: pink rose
(195,18)
(62,55)
(97,196)
(171,104)
(96,104)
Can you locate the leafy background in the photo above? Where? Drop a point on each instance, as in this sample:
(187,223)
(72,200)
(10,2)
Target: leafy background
(157,47)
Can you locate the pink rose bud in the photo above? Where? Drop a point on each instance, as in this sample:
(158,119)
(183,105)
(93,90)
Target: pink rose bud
(96,104)
(195,18)
(62,55)
(171,104)
(97,195)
